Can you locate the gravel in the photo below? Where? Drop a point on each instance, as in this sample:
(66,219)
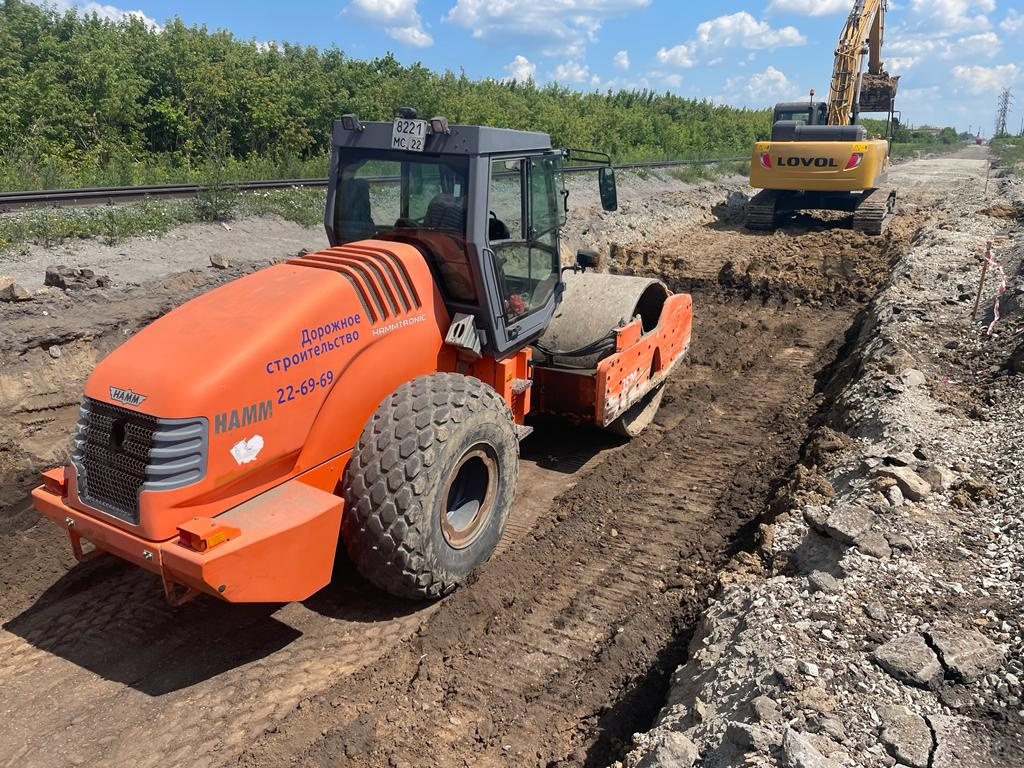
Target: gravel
(884,627)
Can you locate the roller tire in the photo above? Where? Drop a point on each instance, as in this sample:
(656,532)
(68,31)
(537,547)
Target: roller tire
(396,484)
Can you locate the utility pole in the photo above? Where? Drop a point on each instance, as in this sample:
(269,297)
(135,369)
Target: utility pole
(1003,108)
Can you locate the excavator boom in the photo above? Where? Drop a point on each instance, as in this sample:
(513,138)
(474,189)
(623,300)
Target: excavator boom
(863,31)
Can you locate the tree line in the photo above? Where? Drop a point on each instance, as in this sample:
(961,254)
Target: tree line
(81,94)
(92,101)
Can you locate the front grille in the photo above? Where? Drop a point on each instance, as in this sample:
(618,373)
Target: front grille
(118,453)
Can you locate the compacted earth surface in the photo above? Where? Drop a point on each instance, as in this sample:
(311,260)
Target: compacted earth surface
(812,554)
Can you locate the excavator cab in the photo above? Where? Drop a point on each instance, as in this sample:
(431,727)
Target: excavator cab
(802,112)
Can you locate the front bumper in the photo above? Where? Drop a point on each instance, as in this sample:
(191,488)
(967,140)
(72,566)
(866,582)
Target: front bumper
(283,550)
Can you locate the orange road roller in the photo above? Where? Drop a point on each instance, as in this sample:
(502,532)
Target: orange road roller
(373,393)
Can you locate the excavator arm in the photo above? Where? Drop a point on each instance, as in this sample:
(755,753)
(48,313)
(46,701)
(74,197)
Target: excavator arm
(863,32)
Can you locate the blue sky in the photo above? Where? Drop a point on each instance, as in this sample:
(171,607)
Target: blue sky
(953,55)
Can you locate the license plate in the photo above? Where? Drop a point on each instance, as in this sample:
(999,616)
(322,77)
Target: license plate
(409,135)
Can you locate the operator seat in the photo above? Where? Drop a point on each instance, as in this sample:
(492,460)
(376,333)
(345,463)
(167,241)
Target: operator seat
(447,212)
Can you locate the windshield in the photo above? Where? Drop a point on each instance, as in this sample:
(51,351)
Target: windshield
(416,199)
(800,117)
(379,192)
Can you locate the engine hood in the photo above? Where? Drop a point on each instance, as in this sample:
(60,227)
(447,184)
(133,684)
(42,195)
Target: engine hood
(219,351)
(261,361)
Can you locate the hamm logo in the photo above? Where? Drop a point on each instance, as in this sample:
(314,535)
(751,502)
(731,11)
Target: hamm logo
(126,396)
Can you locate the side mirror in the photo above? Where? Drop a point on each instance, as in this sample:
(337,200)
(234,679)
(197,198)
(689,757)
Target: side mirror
(606,186)
(586,259)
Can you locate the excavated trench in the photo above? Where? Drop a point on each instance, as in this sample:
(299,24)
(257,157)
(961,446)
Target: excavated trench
(556,651)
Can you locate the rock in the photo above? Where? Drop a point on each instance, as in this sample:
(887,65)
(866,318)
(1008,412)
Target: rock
(847,523)
(11,291)
(912,377)
(72,279)
(894,495)
(55,351)
(874,544)
(834,728)
(808,668)
(876,611)
(909,659)
(906,736)
(798,752)
(669,750)
(824,582)
(816,698)
(751,738)
(913,486)
(967,655)
(219,261)
(955,745)
(766,710)
(937,476)
(900,542)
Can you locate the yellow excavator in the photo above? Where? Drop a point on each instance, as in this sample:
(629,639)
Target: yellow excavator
(819,157)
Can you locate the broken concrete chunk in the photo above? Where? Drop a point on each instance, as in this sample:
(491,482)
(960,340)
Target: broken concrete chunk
(73,279)
(670,750)
(11,291)
(912,485)
(909,659)
(954,745)
(798,752)
(219,261)
(938,477)
(848,523)
(912,377)
(766,709)
(967,655)
(906,736)
(874,544)
(824,582)
(876,611)
(894,495)
(751,738)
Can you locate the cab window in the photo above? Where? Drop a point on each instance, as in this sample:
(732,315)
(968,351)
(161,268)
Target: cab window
(524,216)
(420,200)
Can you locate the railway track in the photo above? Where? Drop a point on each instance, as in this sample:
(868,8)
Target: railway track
(10,201)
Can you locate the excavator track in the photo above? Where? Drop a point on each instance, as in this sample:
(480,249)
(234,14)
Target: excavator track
(874,211)
(762,210)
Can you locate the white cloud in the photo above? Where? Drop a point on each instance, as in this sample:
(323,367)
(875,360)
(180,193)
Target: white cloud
(621,60)
(917,47)
(810,7)
(900,64)
(986,80)
(555,27)
(398,18)
(520,69)
(570,72)
(737,30)
(677,56)
(949,16)
(1013,23)
(672,79)
(768,87)
(111,12)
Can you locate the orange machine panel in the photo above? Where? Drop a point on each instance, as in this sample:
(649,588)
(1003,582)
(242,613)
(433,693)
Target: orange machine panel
(286,365)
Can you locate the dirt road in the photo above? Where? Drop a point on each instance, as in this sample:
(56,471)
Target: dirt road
(559,647)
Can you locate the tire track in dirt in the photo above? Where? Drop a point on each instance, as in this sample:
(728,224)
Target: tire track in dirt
(520,667)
